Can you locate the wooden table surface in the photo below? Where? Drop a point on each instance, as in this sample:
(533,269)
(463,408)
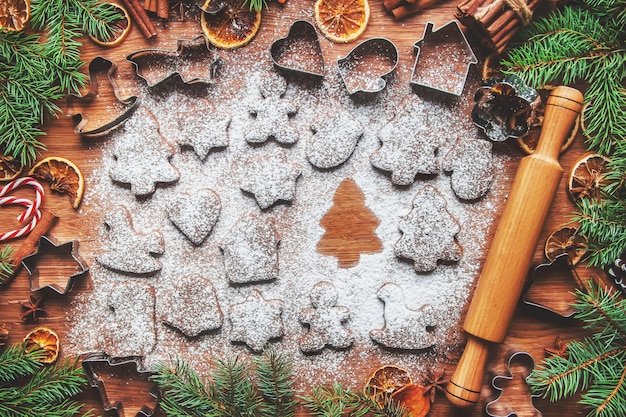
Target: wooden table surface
(532,329)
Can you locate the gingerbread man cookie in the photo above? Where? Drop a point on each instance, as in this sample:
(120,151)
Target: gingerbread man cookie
(325,320)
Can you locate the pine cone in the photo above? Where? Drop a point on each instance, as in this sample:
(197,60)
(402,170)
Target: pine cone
(4,335)
(617,272)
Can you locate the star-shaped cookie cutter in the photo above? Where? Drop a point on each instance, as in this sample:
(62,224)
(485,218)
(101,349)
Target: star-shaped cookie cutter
(90,366)
(65,252)
(187,61)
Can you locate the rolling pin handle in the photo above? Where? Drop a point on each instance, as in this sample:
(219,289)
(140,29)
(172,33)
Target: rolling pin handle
(464,390)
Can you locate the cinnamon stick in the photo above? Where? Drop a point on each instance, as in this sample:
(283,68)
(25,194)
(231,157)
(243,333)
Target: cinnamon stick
(409,9)
(163,9)
(141,19)
(389,5)
(29,245)
(150,5)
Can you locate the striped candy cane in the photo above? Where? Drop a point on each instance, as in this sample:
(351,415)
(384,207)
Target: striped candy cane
(31,213)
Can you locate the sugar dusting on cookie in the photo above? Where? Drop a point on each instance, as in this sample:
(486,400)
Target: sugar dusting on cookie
(301,267)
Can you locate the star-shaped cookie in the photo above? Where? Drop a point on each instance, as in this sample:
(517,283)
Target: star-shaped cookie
(256,321)
(270,178)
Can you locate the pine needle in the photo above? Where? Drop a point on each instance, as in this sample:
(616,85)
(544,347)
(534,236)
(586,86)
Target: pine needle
(6,267)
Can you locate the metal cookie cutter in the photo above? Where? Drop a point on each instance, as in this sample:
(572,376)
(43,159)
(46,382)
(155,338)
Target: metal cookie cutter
(189,61)
(561,274)
(101,369)
(366,67)
(80,107)
(443,59)
(54,265)
(300,52)
(502,406)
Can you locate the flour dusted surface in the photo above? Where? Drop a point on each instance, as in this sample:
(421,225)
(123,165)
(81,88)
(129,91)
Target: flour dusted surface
(301,267)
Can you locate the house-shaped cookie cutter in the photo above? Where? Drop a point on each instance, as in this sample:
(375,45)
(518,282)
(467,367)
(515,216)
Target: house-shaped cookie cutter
(552,273)
(189,61)
(68,251)
(299,52)
(378,55)
(443,59)
(94,360)
(499,406)
(97,66)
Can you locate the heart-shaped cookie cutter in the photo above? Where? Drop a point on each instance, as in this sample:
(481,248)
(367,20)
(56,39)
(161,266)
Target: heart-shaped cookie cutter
(370,55)
(299,52)
(188,61)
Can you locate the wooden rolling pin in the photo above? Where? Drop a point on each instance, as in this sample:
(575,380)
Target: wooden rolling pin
(514,243)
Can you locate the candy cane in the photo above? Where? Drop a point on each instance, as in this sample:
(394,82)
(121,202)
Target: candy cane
(32,207)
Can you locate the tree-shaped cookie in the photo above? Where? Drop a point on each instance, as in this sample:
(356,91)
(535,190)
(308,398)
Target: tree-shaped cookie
(428,232)
(272,113)
(142,155)
(404,328)
(251,251)
(325,320)
(350,226)
(270,178)
(126,250)
(408,148)
(256,321)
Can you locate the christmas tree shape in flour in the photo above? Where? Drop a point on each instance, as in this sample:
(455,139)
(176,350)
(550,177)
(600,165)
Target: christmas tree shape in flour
(350,227)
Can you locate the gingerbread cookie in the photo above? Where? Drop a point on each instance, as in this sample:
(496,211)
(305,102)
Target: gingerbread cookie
(471,163)
(269,178)
(128,325)
(404,328)
(189,303)
(195,214)
(335,138)
(256,321)
(251,251)
(325,321)
(408,148)
(142,156)
(126,250)
(428,232)
(272,113)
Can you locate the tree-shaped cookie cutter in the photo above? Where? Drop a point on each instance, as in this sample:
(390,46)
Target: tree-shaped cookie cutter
(63,280)
(443,58)
(501,407)
(97,66)
(95,360)
(299,53)
(378,55)
(188,61)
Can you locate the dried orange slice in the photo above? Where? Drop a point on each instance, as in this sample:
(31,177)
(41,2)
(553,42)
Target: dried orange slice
(42,338)
(9,167)
(233,26)
(587,177)
(63,176)
(386,380)
(120,28)
(342,20)
(528,142)
(14,14)
(491,67)
(414,398)
(565,240)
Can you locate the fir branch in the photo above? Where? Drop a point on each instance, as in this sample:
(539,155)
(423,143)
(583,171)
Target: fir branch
(6,267)
(596,364)
(233,390)
(16,363)
(275,382)
(255,5)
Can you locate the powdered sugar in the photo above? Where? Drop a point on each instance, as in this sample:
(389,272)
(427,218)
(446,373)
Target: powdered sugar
(446,289)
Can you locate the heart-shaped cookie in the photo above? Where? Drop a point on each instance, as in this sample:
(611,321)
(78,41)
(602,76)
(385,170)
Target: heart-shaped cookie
(195,214)
(300,51)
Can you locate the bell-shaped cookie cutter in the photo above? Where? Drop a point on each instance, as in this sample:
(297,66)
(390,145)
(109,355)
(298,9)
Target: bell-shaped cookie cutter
(299,52)
(68,251)
(443,59)
(188,61)
(90,365)
(374,54)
